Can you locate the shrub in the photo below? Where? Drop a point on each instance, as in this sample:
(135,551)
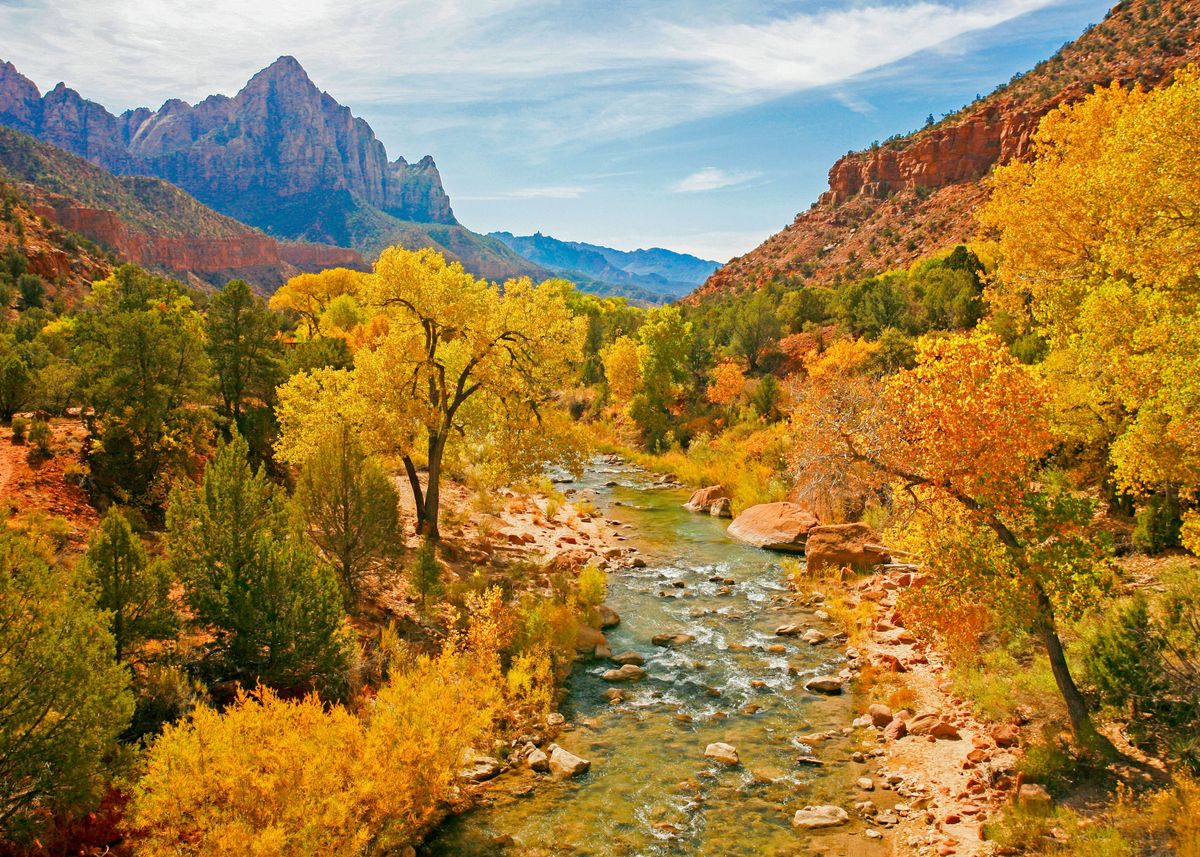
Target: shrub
(592,588)
(20,428)
(42,438)
(1158,525)
(424,572)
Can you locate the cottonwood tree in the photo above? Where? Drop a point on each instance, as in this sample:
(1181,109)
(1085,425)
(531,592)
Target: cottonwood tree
(463,367)
(134,591)
(959,438)
(351,511)
(309,295)
(253,582)
(64,698)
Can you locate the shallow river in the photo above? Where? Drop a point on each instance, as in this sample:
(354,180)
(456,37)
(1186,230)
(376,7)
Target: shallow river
(650,790)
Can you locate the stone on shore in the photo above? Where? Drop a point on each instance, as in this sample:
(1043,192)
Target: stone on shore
(722,508)
(703,500)
(880,714)
(588,638)
(538,761)
(608,617)
(779,526)
(838,545)
(816,817)
(726,754)
(812,636)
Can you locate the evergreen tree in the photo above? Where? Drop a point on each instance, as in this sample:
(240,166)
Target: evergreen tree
(63,697)
(242,346)
(351,510)
(253,582)
(134,590)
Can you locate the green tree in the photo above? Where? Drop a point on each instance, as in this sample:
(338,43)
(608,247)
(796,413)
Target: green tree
(244,351)
(351,511)
(755,328)
(134,590)
(16,382)
(425,572)
(64,699)
(140,347)
(31,291)
(253,582)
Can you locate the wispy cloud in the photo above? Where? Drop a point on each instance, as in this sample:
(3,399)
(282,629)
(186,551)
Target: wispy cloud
(551,192)
(712,178)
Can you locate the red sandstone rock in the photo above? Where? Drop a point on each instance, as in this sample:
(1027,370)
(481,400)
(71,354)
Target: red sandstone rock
(779,526)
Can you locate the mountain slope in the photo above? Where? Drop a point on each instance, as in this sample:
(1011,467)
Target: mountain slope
(916,193)
(280,155)
(654,275)
(149,221)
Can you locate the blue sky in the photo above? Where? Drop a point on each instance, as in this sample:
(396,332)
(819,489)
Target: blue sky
(697,126)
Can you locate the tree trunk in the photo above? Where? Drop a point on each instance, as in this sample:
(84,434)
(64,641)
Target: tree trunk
(1077,709)
(414,482)
(429,524)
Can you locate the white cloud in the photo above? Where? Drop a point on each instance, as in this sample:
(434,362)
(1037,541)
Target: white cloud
(551,192)
(711,178)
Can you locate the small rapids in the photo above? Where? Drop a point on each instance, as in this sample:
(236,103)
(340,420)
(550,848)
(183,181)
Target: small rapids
(650,790)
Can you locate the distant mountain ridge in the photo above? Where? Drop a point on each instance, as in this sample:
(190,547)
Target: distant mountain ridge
(655,274)
(280,155)
(916,194)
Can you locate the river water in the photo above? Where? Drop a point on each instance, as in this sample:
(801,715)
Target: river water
(650,791)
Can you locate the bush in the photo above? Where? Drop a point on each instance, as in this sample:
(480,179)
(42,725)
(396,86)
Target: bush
(20,427)
(41,437)
(1158,525)
(424,571)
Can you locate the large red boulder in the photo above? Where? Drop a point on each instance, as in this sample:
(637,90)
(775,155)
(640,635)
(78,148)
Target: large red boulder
(841,545)
(702,500)
(776,526)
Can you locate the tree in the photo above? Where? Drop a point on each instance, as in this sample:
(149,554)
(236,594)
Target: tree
(16,381)
(273,610)
(460,358)
(755,328)
(140,348)
(64,699)
(425,571)
(351,511)
(244,351)
(134,591)
(1099,239)
(309,295)
(960,437)
(728,382)
(622,369)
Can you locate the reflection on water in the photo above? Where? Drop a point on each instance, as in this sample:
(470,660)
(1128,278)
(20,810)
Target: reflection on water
(650,790)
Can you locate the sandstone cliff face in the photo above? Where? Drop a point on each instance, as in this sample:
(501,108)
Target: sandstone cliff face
(274,147)
(916,195)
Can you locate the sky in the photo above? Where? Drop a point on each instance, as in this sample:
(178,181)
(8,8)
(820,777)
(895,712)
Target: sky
(702,127)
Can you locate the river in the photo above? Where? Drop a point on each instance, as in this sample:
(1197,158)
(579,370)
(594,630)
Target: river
(650,791)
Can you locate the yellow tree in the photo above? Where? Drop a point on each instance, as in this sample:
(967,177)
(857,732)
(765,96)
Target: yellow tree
(1099,237)
(959,438)
(728,382)
(463,367)
(622,369)
(309,295)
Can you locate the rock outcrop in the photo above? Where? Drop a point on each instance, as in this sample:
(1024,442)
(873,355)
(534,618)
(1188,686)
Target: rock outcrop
(778,526)
(915,194)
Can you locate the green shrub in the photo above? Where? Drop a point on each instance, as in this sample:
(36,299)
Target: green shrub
(1158,525)
(41,437)
(20,426)
(424,572)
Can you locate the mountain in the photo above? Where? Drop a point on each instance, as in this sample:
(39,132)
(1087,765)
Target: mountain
(915,194)
(654,275)
(151,222)
(281,156)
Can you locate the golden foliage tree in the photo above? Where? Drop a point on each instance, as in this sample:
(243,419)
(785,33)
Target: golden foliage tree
(310,295)
(1100,239)
(463,367)
(958,439)
(728,382)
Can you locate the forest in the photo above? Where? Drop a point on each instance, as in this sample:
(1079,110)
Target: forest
(284,626)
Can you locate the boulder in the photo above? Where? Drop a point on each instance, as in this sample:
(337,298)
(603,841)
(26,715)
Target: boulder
(779,526)
(564,764)
(538,761)
(838,545)
(608,617)
(722,508)
(922,723)
(880,714)
(669,640)
(628,658)
(816,817)
(824,684)
(588,638)
(1035,797)
(789,630)
(812,636)
(895,730)
(726,754)
(1005,735)
(480,769)
(628,672)
(702,500)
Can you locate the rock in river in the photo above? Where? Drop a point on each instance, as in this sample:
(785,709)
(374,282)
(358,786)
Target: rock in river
(669,640)
(628,658)
(824,684)
(628,672)
(776,526)
(814,817)
(702,500)
(726,754)
(564,764)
